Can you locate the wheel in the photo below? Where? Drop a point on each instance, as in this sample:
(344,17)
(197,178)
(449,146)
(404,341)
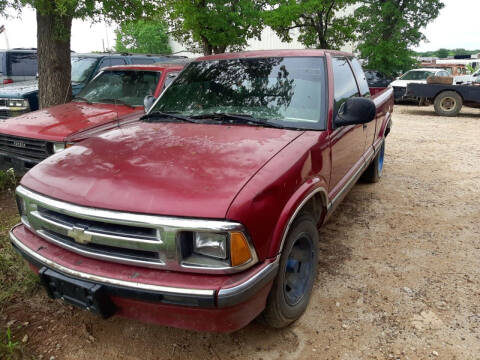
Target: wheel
(375,169)
(298,267)
(448,103)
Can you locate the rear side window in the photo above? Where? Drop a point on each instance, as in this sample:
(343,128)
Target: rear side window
(345,85)
(22,64)
(142,61)
(360,75)
(112,62)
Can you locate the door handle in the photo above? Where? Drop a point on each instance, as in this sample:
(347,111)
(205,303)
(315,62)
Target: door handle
(365,126)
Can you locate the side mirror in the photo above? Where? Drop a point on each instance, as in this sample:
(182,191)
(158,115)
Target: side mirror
(354,111)
(148,102)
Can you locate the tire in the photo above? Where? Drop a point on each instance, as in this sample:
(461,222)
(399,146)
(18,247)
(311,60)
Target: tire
(375,169)
(298,267)
(448,103)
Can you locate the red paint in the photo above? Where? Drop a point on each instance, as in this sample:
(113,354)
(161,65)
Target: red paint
(256,176)
(200,319)
(62,122)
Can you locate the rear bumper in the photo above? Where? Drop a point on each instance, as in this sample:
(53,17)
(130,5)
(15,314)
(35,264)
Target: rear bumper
(221,303)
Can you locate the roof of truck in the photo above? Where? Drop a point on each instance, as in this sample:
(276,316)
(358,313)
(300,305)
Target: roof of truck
(146,67)
(272,53)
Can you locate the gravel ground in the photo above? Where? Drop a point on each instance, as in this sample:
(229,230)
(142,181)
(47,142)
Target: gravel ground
(399,271)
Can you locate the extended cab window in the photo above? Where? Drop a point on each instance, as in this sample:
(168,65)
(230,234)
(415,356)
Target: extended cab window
(22,64)
(122,86)
(345,85)
(289,91)
(361,79)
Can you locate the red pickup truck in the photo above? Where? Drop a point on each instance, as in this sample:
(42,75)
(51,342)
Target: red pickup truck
(204,214)
(115,96)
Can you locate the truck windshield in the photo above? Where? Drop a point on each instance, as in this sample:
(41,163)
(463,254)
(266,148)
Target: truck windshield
(417,75)
(122,86)
(82,68)
(289,91)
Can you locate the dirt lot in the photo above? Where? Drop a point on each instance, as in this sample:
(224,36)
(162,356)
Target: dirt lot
(399,273)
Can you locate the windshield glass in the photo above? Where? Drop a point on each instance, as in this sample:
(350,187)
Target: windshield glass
(285,90)
(125,86)
(82,68)
(417,75)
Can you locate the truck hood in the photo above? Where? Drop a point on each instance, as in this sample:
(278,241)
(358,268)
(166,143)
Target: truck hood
(19,89)
(58,122)
(176,169)
(404,83)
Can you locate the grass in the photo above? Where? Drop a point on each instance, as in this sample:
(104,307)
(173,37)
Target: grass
(16,278)
(8,180)
(9,349)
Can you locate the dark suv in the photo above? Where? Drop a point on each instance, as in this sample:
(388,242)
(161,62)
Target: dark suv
(17,99)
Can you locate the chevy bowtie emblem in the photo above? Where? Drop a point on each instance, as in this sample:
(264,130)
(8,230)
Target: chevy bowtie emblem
(78,234)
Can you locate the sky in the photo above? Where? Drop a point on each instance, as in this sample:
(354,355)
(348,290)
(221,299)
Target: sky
(86,37)
(454,28)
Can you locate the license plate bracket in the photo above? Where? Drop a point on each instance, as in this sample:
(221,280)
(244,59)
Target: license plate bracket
(83,294)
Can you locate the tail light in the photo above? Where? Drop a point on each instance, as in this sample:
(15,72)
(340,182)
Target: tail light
(7,81)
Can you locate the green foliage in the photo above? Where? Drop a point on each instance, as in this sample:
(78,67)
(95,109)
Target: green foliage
(8,180)
(442,53)
(142,36)
(15,276)
(390,28)
(318,21)
(451,52)
(213,26)
(9,348)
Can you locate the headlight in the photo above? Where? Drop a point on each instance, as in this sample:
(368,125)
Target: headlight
(18,103)
(216,250)
(211,244)
(59,146)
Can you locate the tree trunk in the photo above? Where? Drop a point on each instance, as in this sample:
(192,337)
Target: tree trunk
(54,66)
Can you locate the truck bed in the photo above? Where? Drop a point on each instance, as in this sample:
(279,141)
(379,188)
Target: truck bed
(469,93)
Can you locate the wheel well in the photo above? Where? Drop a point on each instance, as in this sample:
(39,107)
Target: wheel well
(444,91)
(316,206)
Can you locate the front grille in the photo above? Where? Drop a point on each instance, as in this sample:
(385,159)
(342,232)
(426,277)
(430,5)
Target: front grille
(128,238)
(24,148)
(3,102)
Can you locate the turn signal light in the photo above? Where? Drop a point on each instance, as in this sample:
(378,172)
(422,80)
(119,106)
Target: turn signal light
(239,249)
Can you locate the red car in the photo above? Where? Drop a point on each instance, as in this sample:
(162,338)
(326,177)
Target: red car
(204,214)
(116,95)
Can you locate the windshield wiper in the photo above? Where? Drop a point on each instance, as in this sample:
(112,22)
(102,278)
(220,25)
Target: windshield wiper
(239,118)
(83,99)
(117,101)
(165,115)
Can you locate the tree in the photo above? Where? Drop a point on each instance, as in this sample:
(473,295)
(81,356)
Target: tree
(54,23)
(390,28)
(442,53)
(147,36)
(213,26)
(319,21)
